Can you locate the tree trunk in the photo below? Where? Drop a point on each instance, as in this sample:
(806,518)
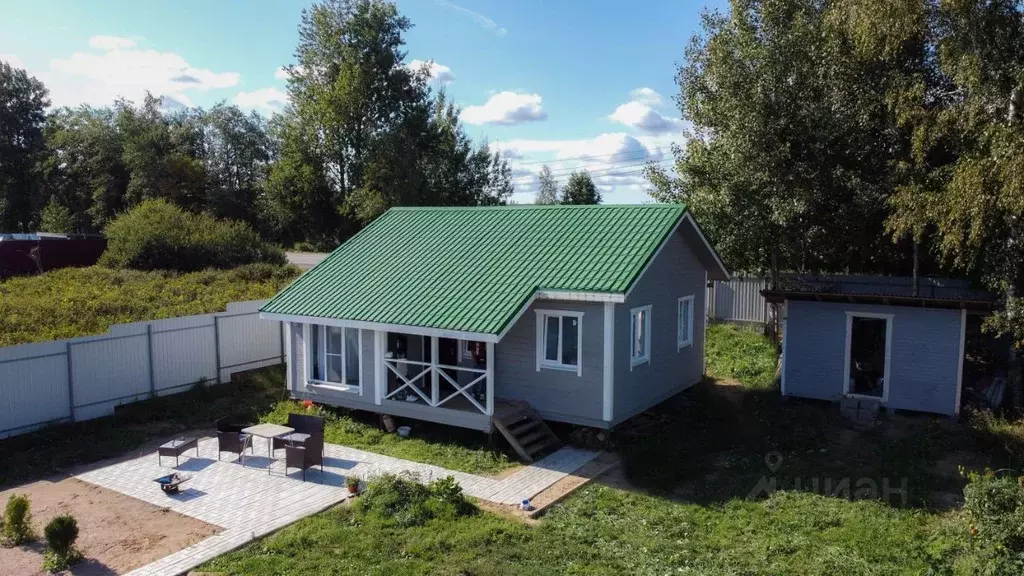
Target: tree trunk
(917,264)
(1013,364)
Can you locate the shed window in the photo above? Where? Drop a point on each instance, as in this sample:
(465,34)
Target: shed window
(335,355)
(559,340)
(640,336)
(684,321)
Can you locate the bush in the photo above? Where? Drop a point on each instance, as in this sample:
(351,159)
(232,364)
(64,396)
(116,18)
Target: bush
(61,534)
(17,528)
(995,507)
(156,235)
(404,501)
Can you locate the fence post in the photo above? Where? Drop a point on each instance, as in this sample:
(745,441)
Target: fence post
(71,382)
(216,344)
(149,351)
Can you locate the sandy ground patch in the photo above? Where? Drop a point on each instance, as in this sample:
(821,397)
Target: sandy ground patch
(116,533)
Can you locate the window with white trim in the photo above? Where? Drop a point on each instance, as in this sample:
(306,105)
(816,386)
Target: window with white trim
(640,335)
(334,356)
(560,340)
(684,322)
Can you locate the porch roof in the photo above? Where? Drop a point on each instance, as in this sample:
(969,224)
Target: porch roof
(474,269)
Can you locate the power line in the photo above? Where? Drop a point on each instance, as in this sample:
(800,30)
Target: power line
(585,157)
(605,171)
(607,175)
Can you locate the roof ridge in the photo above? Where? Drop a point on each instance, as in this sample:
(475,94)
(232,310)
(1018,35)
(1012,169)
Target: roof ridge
(653,205)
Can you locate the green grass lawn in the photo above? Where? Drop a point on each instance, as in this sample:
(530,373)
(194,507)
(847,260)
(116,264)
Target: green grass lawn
(741,354)
(602,530)
(81,301)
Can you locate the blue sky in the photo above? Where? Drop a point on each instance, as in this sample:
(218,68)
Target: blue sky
(574,83)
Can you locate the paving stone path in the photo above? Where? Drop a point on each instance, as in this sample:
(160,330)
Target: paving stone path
(253,500)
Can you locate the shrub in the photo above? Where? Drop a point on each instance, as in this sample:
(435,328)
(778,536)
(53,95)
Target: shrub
(156,235)
(17,528)
(61,533)
(405,502)
(995,507)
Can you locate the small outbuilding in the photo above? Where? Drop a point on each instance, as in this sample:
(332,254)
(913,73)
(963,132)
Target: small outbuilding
(876,338)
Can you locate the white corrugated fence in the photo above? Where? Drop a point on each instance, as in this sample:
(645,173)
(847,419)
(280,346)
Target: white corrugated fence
(87,377)
(738,300)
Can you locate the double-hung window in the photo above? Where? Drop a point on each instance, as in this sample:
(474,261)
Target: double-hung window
(334,357)
(684,322)
(640,336)
(560,340)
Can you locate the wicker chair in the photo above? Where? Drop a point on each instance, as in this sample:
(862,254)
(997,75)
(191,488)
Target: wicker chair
(234,442)
(303,424)
(306,456)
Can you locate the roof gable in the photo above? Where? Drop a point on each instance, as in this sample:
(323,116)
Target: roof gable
(472,269)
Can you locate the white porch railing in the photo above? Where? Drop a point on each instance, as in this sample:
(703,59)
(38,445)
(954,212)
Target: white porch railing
(436,372)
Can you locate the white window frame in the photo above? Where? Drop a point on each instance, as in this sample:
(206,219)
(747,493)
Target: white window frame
(542,361)
(342,386)
(635,360)
(886,382)
(681,342)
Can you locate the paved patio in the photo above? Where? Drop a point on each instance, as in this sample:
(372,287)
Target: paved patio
(250,501)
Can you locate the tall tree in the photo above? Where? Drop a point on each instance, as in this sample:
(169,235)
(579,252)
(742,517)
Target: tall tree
(369,128)
(790,142)
(23,101)
(547,188)
(956,84)
(84,170)
(237,153)
(580,189)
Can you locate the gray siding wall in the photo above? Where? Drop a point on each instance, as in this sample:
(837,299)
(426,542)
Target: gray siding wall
(554,394)
(924,356)
(674,273)
(364,399)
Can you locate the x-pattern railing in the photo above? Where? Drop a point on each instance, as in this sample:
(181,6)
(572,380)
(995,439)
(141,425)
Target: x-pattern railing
(442,371)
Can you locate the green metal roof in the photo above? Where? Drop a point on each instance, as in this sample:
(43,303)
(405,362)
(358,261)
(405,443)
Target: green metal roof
(473,269)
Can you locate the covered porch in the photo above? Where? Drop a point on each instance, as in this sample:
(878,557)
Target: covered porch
(435,378)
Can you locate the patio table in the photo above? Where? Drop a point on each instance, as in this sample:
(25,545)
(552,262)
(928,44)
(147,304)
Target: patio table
(268,432)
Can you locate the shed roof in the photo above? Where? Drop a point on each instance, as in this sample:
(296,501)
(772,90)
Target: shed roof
(473,269)
(896,290)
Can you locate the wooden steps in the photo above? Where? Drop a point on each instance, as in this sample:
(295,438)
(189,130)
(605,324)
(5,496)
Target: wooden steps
(528,435)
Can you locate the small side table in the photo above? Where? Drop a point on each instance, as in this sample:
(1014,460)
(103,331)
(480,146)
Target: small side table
(176,448)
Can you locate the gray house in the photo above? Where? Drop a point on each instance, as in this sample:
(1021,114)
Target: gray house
(588,314)
(876,338)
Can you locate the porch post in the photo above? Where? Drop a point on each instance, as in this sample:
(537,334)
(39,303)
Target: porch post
(490,378)
(435,391)
(380,343)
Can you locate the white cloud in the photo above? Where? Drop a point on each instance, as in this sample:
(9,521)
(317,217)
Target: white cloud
(282,72)
(615,160)
(646,96)
(13,60)
(481,20)
(263,100)
(121,69)
(439,72)
(642,117)
(506,108)
(111,43)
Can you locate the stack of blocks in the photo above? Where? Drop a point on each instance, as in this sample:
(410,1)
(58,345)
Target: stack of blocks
(860,409)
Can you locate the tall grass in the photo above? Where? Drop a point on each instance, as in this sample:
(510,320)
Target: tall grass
(82,301)
(744,355)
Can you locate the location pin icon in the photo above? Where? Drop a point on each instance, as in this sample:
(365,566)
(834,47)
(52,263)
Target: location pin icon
(773,460)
